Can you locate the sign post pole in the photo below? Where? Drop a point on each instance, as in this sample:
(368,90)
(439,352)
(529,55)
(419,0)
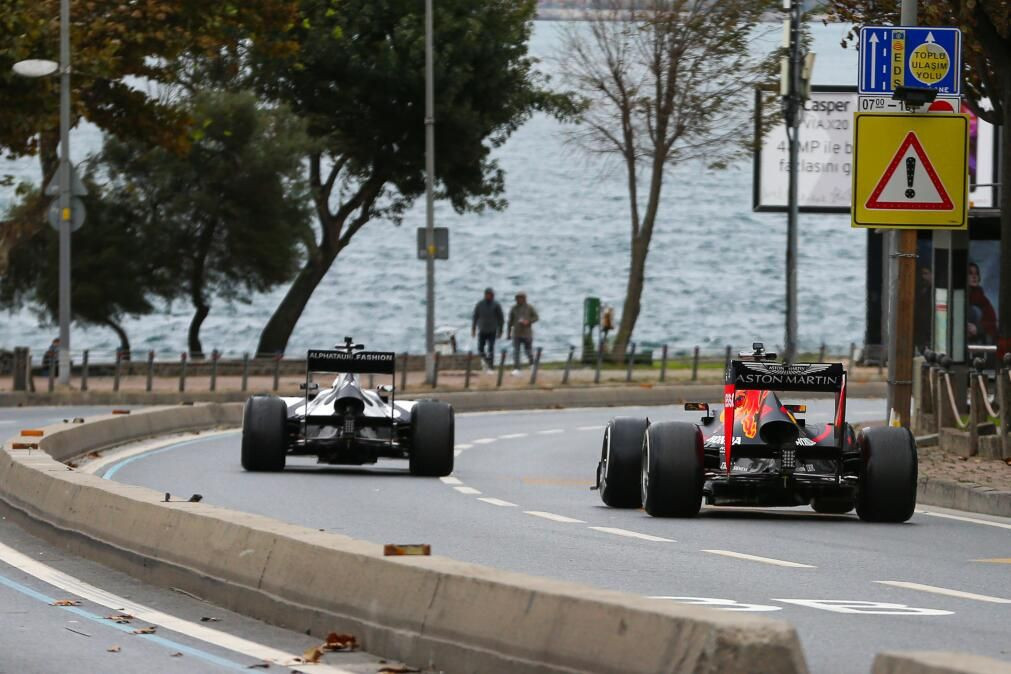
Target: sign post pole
(902,298)
(793,105)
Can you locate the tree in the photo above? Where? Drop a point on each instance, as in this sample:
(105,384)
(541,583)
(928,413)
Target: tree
(114,43)
(229,216)
(110,267)
(665,82)
(986,32)
(358,80)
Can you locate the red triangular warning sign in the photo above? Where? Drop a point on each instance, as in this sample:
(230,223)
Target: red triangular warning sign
(910,182)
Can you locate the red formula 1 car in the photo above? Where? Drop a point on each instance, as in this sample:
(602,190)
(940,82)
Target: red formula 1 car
(761,452)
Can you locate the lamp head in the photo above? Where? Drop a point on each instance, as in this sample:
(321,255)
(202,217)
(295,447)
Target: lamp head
(35,68)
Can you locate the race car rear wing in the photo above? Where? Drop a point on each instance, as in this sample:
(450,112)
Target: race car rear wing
(762,374)
(362,362)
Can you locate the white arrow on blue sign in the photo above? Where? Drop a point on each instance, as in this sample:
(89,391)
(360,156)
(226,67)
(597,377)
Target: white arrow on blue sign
(924,57)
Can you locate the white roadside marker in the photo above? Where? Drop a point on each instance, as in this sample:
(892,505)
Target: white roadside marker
(483,441)
(960,518)
(450,480)
(142,613)
(497,502)
(551,431)
(633,534)
(763,560)
(945,591)
(553,517)
(512,436)
(467,490)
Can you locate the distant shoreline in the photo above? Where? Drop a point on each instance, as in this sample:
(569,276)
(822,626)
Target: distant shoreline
(561,14)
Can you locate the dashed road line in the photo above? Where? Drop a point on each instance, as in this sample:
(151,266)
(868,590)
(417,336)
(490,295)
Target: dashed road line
(512,436)
(960,518)
(467,490)
(450,480)
(483,441)
(633,534)
(551,431)
(945,591)
(497,502)
(994,560)
(463,445)
(589,428)
(553,517)
(763,560)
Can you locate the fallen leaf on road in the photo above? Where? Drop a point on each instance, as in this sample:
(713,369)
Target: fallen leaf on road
(145,630)
(120,618)
(176,655)
(398,670)
(205,619)
(340,642)
(313,655)
(259,665)
(66,602)
(113,649)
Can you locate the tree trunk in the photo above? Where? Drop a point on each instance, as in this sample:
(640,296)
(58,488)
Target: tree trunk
(1004,319)
(277,332)
(49,158)
(124,341)
(197,282)
(196,350)
(633,295)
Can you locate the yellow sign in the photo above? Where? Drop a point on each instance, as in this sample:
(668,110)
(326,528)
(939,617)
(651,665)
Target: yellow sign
(929,63)
(898,57)
(910,171)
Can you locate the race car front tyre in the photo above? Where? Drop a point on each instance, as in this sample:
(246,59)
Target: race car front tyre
(618,470)
(887,489)
(827,505)
(264,439)
(432,431)
(672,470)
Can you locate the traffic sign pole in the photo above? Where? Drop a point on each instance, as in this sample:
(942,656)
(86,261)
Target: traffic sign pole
(902,298)
(65,221)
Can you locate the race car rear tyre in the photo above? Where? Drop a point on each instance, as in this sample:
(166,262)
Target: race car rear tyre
(618,470)
(888,477)
(432,432)
(672,470)
(264,437)
(827,505)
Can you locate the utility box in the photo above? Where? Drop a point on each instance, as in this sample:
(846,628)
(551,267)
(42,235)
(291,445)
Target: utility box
(591,313)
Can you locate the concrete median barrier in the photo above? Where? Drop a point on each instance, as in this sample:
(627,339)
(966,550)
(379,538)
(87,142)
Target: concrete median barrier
(427,611)
(937,662)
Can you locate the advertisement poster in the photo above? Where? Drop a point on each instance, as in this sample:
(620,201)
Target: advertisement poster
(983,286)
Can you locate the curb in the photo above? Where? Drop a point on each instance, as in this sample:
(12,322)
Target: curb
(462,401)
(963,496)
(428,611)
(937,662)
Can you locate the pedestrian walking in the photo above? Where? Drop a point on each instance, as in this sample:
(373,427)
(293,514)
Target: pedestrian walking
(487,326)
(521,320)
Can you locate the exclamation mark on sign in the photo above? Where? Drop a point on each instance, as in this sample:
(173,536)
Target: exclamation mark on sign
(910,173)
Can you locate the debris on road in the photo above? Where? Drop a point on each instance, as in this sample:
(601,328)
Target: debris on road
(66,602)
(150,629)
(339,642)
(113,649)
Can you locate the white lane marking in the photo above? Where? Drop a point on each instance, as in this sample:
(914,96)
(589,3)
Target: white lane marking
(142,613)
(7,423)
(483,441)
(589,428)
(861,607)
(93,466)
(633,534)
(960,518)
(763,560)
(721,604)
(512,436)
(463,445)
(497,502)
(945,591)
(553,517)
(467,490)
(457,452)
(551,431)
(450,480)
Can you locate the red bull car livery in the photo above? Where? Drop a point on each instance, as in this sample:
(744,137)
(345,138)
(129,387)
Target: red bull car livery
(759,451)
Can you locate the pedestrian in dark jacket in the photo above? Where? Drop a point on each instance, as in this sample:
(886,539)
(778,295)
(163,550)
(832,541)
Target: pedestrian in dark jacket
(487,326)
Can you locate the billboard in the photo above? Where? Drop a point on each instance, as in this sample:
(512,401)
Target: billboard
(825,162)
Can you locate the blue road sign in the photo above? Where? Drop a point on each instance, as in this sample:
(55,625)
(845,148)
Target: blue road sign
(894,56)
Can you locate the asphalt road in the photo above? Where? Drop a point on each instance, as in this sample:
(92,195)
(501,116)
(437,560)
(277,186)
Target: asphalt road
(186,635)
(519,499)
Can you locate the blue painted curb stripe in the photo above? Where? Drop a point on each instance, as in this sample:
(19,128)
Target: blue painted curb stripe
(114,468)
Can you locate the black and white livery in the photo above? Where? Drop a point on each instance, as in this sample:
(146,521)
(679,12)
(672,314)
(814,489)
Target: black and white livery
(760,452)
(346,423)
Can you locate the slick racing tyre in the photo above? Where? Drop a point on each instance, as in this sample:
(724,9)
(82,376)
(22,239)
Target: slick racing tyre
(618,470)
(432,429)
(672,471)
(887,489)
(828,505)
(264,437)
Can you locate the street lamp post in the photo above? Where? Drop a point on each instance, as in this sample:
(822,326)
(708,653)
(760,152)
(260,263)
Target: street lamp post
(429,201)
(42,68)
